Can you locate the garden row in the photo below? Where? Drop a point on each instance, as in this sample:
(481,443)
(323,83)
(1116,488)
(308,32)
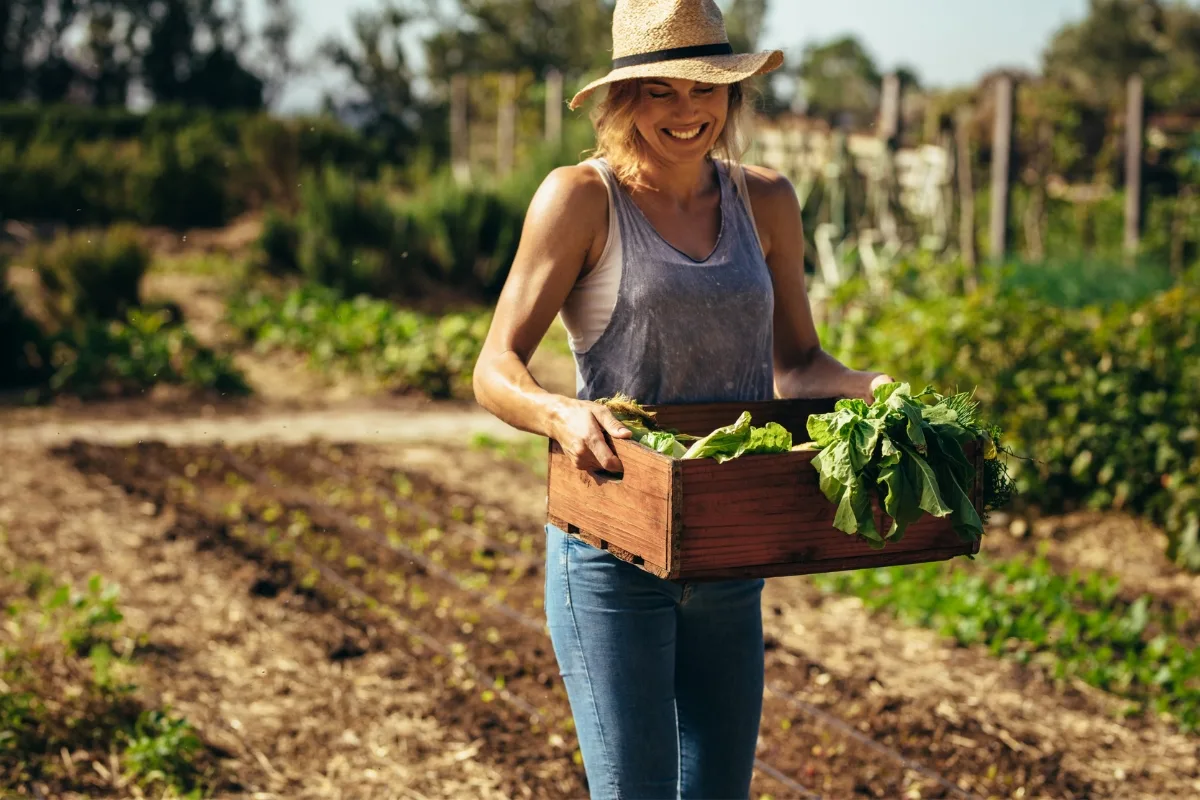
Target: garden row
(172,167)
(69,713)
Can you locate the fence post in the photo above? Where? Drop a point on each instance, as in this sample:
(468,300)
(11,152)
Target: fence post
(1001,152)
(1134,111)
(459,145)
(506,125)
(554,107)
(966,196)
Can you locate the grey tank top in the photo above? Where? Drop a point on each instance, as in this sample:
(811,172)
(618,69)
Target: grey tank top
(682,330)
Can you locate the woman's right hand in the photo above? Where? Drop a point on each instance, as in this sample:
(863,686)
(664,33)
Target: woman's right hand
(579,428)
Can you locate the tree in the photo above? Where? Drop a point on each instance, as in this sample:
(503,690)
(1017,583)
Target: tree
(743,23)
(1119,38)
(516,35)
(381,98)
(839,80)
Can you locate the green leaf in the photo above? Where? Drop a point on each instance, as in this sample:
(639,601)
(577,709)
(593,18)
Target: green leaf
(725,443)
(853,404)
(772,438)
(664,443)
(882,393)
(855,514)
(821,429)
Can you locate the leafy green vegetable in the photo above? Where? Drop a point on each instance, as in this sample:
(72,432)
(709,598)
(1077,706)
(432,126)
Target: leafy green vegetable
(773,438)
(663,442)
(724,443)
(905,451)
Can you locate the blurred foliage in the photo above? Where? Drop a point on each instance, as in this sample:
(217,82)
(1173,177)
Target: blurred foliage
(65,665)
(477,36)
(1157,39)
(96,358)
(99,338)
(168,167)
(404,350)
(1104,399)
(91,274)
(361,237)
(22,355)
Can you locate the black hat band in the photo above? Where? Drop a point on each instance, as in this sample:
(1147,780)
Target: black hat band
(674,54)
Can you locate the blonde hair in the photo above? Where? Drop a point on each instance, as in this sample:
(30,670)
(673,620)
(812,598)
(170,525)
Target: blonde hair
(620,143)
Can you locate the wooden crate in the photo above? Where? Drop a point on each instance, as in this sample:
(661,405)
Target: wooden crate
(754,516)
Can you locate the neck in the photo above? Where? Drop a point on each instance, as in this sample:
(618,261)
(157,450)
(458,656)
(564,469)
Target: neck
(681,183)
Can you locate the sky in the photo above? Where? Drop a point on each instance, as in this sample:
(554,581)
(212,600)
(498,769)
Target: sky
(948,42)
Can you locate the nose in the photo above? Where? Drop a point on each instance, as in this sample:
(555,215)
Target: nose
(685,104)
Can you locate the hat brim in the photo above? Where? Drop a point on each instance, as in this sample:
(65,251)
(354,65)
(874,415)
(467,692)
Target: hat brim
(706,69)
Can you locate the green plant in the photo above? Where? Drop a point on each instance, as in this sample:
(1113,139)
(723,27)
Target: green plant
(1075,625)
(905,451)
(22,347)
(399,348)
(1104,403)
(93,357)
(162,748)
(92,274)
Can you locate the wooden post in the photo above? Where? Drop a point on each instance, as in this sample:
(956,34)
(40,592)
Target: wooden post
(966,197)
(459,145)
(554,107)
(889,110)
(1001,152)
(506,124)
(889,135)
(1134,110)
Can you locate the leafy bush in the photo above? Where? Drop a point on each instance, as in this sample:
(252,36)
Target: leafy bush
(93,274)
(22,356)
(1106,402)
(402,349)
(94,357)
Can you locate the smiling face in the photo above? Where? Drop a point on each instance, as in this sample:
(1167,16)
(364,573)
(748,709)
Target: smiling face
(680,120)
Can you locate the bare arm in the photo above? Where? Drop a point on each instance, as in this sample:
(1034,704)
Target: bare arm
(802,367)
(564,233)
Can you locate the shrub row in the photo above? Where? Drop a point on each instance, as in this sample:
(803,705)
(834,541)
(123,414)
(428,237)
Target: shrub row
(172,169)
(1104,402)
(404,350)
(353,236)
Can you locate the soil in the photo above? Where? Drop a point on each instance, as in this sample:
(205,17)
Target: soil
(312,694)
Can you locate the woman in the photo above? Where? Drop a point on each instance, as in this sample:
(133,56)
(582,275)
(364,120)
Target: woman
(680,279)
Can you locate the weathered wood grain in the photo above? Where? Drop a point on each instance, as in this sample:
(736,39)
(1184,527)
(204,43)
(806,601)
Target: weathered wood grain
(632,512)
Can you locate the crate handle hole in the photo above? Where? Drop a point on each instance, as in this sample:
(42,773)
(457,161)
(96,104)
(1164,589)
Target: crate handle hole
(604,476)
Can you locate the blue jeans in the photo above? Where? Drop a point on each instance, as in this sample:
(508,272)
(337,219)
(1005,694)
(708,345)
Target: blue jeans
(665,678)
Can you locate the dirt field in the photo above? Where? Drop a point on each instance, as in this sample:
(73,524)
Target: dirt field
(363,619)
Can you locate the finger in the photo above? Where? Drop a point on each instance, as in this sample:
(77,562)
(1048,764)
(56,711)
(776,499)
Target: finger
(610,423)
(604,455)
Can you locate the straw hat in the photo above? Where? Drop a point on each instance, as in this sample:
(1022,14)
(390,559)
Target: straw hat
(682,39)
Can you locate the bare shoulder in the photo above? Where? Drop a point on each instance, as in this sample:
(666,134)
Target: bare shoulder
(767,185)
(577,192)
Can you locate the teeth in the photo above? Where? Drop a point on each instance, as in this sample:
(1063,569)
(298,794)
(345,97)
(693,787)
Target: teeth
(691,133)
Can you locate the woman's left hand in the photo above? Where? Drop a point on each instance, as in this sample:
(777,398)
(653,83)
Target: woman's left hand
(877,379)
